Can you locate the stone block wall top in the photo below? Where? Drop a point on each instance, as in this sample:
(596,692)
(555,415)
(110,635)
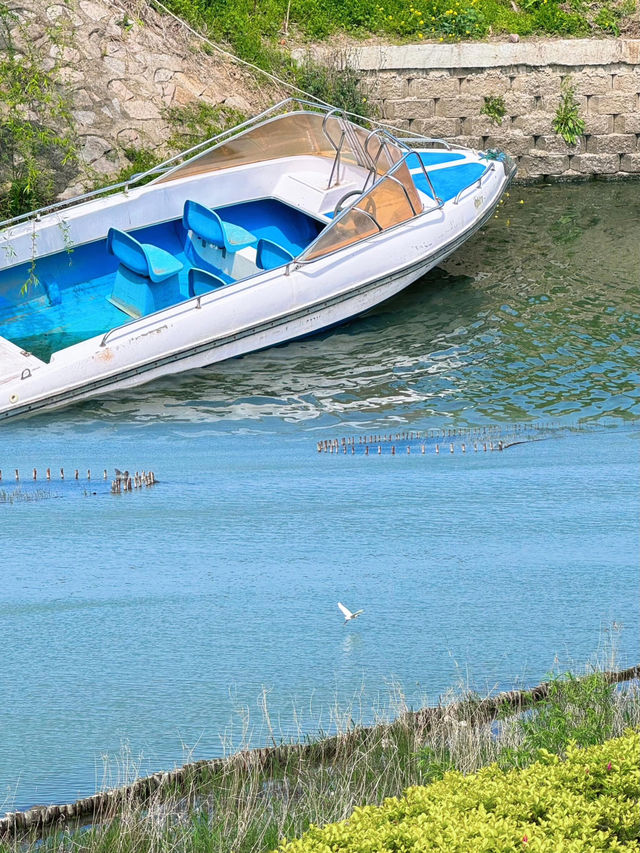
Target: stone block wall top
(539,54)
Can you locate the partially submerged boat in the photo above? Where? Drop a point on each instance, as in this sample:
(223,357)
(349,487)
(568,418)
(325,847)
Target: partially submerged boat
(287,224)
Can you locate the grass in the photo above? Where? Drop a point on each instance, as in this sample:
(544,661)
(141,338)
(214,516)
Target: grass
(256,30)
(245,805)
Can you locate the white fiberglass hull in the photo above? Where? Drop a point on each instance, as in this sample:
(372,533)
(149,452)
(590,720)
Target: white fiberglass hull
(193,338)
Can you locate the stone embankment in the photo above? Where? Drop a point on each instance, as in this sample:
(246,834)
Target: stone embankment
(440,89)
(121,66)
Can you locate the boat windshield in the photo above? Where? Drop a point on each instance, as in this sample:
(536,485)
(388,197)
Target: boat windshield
(392,201)
(294,134)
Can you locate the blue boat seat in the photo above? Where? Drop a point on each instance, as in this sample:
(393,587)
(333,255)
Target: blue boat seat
(147,278)
(270,255)
(206,224)
(142,258)
(199,279)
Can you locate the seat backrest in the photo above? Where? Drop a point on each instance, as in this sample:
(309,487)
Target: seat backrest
(128,251)
(270,255)
(205,223)
(199,279)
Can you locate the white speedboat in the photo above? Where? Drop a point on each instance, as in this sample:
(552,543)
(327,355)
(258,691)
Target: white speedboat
(290,223)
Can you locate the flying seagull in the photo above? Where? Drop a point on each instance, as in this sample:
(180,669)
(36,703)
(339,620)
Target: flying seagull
(348,615)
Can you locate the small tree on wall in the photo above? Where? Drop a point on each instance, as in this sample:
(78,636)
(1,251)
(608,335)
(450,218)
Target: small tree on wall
(567,122)
(36,125)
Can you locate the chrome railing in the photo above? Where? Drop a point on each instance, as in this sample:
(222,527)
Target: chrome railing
(478,182)
(203,147)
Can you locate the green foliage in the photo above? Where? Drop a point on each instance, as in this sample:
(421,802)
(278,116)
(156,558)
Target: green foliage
(578,710)
(567,122)
(255,29)
(36,127)
(434,764)
(587,802)
(494,108)
(607,19)
(199,121)
(334,85)
(140,160)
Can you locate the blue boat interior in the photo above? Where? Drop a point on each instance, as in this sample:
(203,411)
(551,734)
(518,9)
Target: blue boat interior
(71,296)
(447,182)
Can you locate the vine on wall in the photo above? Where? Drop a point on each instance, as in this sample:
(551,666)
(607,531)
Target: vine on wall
(36,123)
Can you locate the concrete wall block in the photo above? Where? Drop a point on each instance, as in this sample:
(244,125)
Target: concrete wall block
(514,144)
(613,143)
(537,83)
(616,102)
(488,83)
(440,128)
(550,103)
(556,145)
(596,164)
(629,123)
(592,82)
(518,104)
(536,124)
(433,86)
(630,163)
(627,82)
(482,126)
(594,124)
(384,86)
(460,107)
(409,108)
(545,164)
(475,142)
(403,124)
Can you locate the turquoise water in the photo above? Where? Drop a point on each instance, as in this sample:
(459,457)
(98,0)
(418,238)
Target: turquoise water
(142,630)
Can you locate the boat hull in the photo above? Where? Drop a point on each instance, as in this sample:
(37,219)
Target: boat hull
(85,377)
(353,264)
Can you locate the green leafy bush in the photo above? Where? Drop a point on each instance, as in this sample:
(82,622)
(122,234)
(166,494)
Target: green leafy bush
(198,121)
(494,108)
(567,122)
(587,802)
(578,710)
(255,28)
(37,146)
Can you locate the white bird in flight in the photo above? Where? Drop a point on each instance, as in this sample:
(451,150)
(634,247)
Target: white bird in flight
(348,615)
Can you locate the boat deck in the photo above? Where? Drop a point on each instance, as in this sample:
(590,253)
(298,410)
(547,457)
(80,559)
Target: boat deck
(68,295)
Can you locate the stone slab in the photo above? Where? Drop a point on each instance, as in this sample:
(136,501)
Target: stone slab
(630,163)
(596,164)
(560,52)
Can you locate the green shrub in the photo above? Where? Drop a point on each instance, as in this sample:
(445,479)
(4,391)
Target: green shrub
(254,27)
(607,20)
(334,85)
(587,802)
(494,108)
(567,122)
(37,146)
(198,121)
(578,710)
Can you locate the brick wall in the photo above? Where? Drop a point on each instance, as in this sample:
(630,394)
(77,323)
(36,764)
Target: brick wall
(439,90)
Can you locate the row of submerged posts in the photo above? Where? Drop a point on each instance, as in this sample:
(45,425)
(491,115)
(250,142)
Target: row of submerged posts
(473,439)
(123,481)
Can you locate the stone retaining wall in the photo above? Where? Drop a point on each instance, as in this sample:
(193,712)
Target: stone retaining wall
(439,90)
